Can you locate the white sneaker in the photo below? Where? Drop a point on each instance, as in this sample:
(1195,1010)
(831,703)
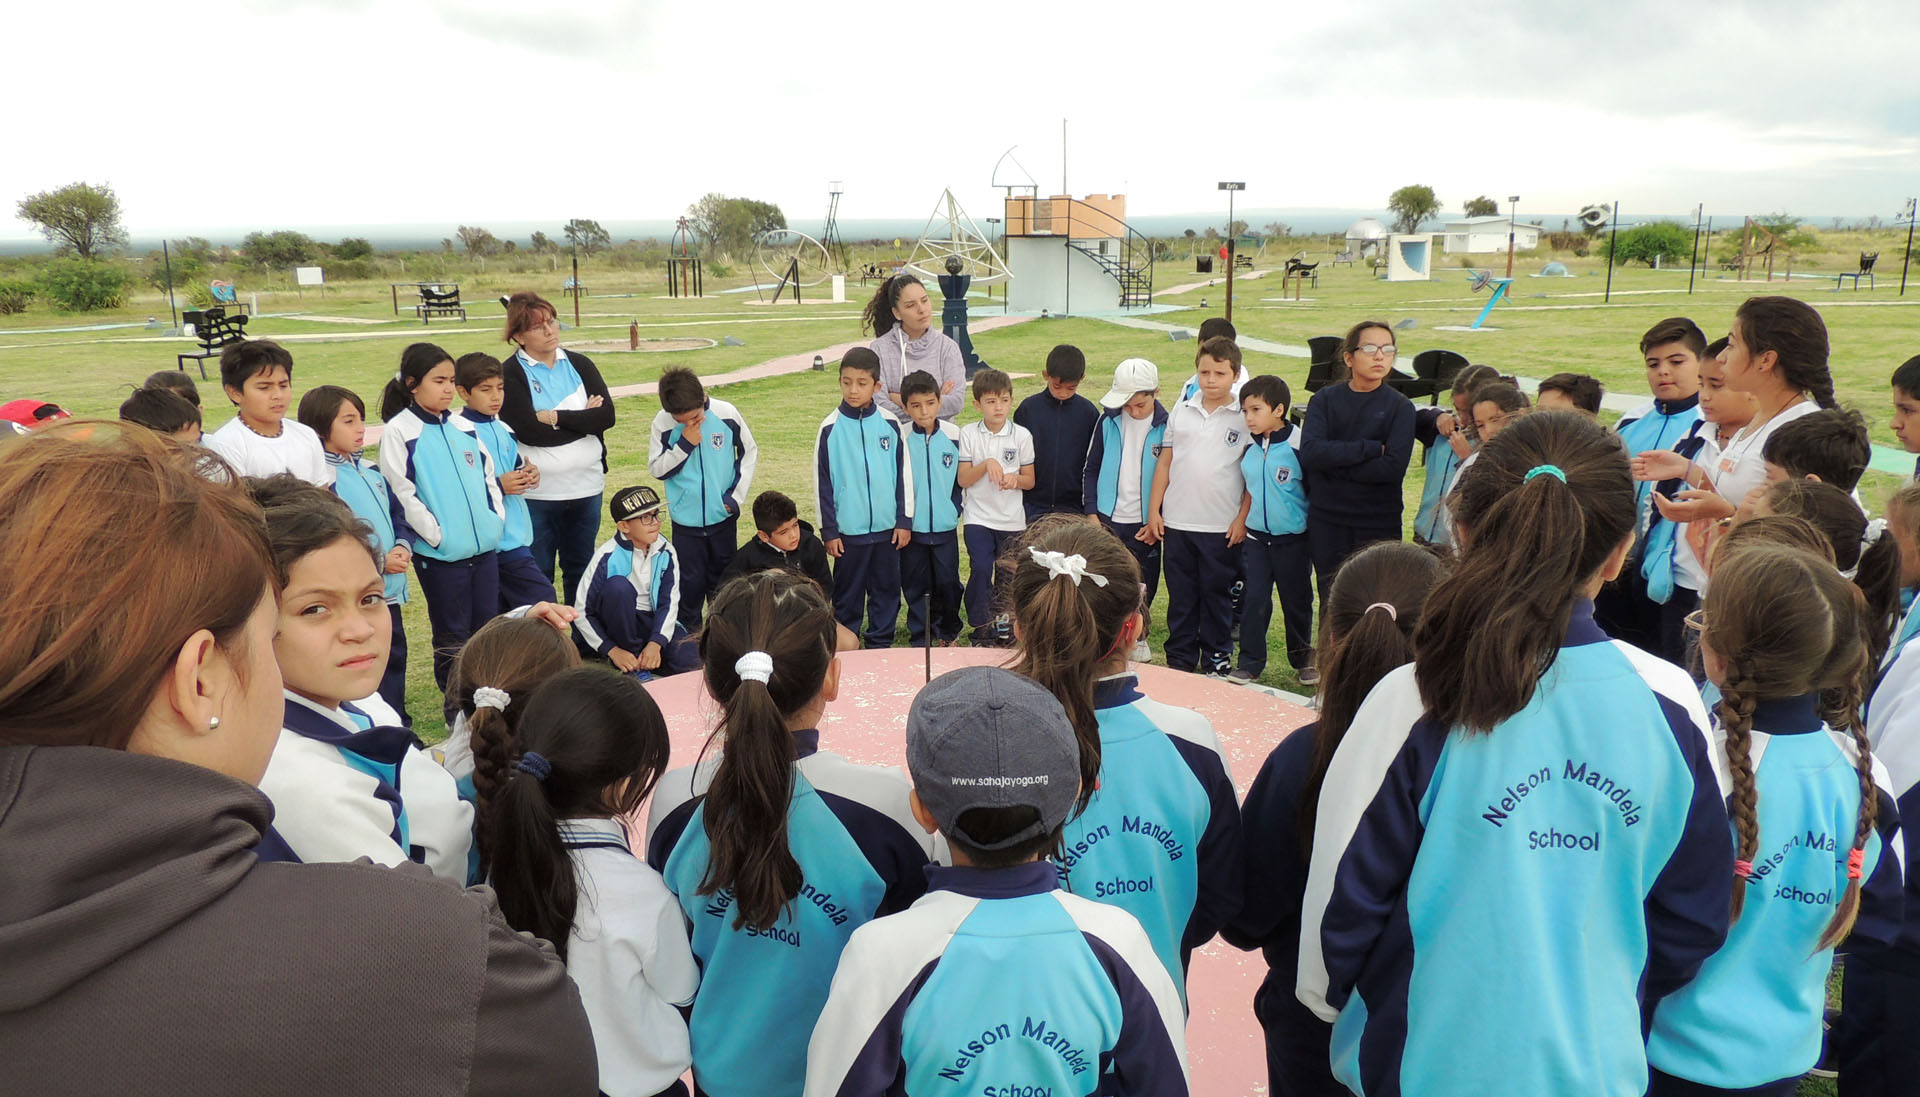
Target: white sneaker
(1141,652)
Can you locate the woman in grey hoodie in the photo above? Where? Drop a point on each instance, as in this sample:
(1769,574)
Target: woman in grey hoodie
(147,947)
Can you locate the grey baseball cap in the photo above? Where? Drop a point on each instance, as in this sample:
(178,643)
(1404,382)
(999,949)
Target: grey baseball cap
(983,737)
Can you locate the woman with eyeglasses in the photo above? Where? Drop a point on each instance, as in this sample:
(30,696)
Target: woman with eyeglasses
(559,409)
(1354,448)
(148,944)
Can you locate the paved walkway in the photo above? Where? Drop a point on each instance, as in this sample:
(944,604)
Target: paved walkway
(1265,346)
(772,367)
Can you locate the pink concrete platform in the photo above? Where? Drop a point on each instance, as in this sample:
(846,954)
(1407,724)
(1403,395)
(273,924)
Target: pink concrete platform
(868,725)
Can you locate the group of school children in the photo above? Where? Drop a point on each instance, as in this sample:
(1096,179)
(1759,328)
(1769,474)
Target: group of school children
(1604,771)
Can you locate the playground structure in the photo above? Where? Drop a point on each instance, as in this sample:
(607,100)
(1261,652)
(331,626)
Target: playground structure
(1409,257)
(951,235)
(1480,280)
(792,258)
(1757,244)
(1069,255)
(683,263)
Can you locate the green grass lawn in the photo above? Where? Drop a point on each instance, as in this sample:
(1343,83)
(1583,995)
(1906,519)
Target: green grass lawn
(90,372)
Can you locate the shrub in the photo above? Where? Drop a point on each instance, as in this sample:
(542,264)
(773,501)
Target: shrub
(14,296)
(1660,240)
(80,285)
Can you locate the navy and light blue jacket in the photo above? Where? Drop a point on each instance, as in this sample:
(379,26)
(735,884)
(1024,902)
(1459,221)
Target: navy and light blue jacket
(1443,466)
(1660,536)
(444,485)
(705,481)
(504,448)
(922,1002)
(1529,889)
(1656,424)
(631,597)
(861,855)
(1160,839)
(861,481)
(1893,727)
(935,461)
(359,484)
(1101,489)
(1753,1015)
(1271,468)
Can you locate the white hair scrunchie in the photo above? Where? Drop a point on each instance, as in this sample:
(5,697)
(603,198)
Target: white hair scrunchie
(1392,614)
(488,697)
(754,666)
(1073,567)
(1871,537)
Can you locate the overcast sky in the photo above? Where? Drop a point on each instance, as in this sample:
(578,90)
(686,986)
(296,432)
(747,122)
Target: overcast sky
(470,111)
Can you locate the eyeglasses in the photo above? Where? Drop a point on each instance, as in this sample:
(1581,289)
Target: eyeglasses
(651,518)
(1695,622)
(1384,350)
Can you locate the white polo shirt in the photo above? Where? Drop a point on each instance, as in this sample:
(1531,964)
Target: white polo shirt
(629,955)
(1204,485)
(987,503)
(295,449)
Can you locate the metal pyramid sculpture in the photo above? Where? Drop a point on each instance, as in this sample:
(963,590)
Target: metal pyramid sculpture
(951,233)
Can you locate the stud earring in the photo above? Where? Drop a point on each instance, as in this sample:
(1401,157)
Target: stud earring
(213,724)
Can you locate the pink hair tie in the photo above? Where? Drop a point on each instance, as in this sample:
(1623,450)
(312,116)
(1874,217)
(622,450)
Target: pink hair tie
(1742,869)
(1856,860)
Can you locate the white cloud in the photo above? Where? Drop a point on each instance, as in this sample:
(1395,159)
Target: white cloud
(355,112)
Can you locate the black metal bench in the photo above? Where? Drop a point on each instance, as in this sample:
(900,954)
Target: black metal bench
(1433,373)
(434,303)
(877,271)
(1867,260)
(215,331)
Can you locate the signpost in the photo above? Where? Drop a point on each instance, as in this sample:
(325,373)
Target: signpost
(1513,226)
(1231,189)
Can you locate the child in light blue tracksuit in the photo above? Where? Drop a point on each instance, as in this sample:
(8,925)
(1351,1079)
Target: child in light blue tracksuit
(446,492)
(922,1001)
(1522,840)
(480,380)
(1160,836)
(630,598)
(930,564)
(864,490)
(1128,439)
(701,451)
(1814,824)
(338,416)
(1275,550)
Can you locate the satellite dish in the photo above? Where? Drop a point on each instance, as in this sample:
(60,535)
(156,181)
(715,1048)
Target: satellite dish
(1595,216)
(1479,280)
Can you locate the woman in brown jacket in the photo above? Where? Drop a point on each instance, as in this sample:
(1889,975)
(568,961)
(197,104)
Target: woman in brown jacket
(144,947)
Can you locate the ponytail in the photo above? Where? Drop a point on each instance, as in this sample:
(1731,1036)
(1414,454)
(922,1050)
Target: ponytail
(592,744)
(514,656)
(1546,503)
(1786,624)
(1371,613)
(788,618)
(1070,630)
(1794,331)
(416,362)
(878,316)
(1878,577)
(1737,700)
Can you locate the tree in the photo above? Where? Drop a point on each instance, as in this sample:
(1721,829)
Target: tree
(353,247)
(1236,228)
(79,218)
(587,235)
(186,269)
(1482,206)
(1279,229)
(478,241)
(276,250)
(195,246)
(1659,240)
(730,224)
(541,244)
(1411,205)
(1190,234)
